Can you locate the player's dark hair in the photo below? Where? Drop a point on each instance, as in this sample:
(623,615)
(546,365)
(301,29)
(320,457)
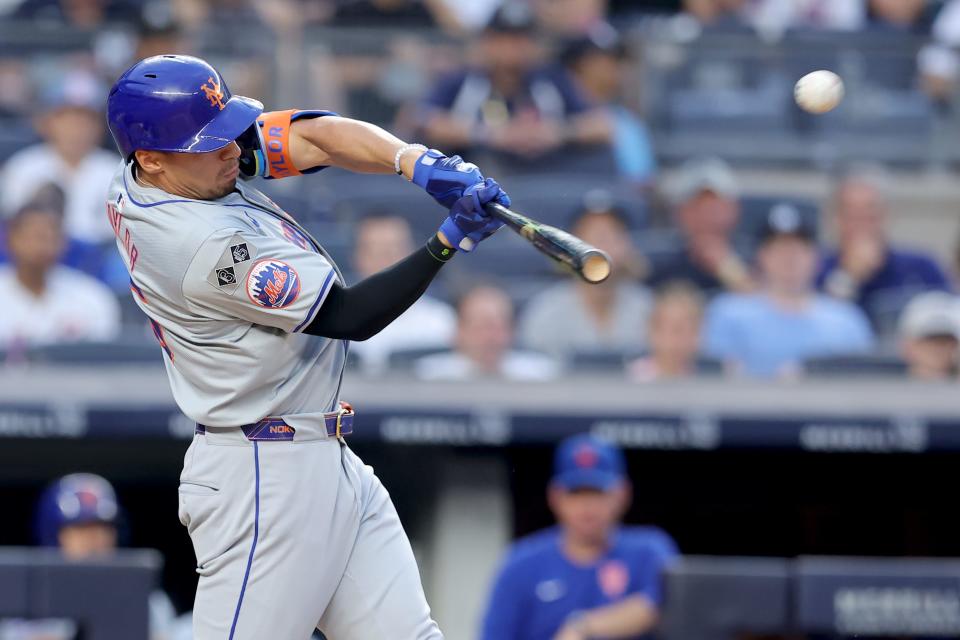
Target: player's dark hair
(32,208)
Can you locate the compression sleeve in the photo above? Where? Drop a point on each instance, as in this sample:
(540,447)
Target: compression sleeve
(363,310)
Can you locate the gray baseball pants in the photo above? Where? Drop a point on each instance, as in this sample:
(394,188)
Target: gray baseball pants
(292,536)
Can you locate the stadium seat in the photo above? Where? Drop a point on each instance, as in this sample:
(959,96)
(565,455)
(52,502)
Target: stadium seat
(126,351)
(719,598)
(855,365)
(404,359)
(603,360)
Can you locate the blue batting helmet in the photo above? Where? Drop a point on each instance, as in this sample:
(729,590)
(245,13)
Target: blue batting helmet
(176,103)
(78,498)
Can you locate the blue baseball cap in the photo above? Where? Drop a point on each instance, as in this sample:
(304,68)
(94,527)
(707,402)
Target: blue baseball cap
(79,498)
(588,462)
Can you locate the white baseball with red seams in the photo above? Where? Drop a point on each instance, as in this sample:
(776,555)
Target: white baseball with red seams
(819,92)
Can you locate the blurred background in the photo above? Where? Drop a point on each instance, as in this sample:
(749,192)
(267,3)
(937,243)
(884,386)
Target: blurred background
(776,353)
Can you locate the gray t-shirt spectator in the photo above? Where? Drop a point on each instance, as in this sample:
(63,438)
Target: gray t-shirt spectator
(557,322)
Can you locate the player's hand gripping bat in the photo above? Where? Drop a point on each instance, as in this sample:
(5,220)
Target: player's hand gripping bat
(588,262)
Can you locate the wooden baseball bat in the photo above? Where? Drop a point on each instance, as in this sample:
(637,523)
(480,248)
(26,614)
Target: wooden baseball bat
(586,261)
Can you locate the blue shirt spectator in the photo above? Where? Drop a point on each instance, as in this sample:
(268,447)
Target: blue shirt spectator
(901,275)
(764,338)
(538,586)
(587,577)
(769,333)
(866,268)
(511,103)
(598,62)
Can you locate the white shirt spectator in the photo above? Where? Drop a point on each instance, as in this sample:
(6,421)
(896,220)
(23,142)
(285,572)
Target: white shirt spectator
(73,307)
(428,323)
(85,188)
(515,365)
(473,15)
(776,16)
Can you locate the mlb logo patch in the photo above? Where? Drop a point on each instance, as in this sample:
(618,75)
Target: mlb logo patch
(273,284)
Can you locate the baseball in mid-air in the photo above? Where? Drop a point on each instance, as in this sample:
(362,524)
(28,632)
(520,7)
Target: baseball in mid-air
(819,92)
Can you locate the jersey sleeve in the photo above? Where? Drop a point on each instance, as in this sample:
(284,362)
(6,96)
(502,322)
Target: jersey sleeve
(265,147)
(260,279)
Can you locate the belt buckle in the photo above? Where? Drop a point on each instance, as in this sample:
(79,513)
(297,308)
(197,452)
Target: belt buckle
(339,416)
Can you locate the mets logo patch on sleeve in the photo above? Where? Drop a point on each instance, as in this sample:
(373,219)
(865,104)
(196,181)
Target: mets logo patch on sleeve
(273,284)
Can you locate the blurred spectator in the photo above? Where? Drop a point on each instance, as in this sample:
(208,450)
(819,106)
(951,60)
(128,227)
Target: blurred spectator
(706,209)
(15,98)
(482,344)
(159,33)
(777,16)
(589,577)
(229,14)
(79,513)
(673,335)
(598,63)
(866,268)
(80,14)
(71,124)
(571,18)
(770,332)
(101,262)
(903,15)
(394,13)
(43,302)
(716,14)
(929,334)
(509,102)
(474,15)
(577,316)
(383,240)
(938,62)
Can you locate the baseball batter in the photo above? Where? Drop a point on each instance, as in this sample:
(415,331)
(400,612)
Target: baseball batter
(291,530)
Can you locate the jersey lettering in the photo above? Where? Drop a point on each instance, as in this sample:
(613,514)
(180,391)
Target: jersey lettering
(116,223)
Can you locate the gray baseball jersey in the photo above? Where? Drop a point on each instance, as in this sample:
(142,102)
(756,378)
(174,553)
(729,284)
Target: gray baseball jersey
(289,535)
(228,285)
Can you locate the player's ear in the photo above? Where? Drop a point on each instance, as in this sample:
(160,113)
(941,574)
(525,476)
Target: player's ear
(555,495)
(624,493)
(149,161)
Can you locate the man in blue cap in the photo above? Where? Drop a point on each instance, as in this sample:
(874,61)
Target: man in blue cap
(588,577)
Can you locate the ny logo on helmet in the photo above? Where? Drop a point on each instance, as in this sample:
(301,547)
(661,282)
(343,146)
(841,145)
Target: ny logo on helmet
(211,89)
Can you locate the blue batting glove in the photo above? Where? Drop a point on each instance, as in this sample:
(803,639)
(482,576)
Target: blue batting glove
(468,222)
(445,178)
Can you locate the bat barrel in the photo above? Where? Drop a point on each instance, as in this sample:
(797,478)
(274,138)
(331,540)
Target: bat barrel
(594,266)
(587,261)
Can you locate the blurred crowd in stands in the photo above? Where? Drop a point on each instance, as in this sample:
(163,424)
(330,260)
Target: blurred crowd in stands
(545,95)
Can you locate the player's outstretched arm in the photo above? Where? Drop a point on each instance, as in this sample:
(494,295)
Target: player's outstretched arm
(354,145)
(331,140)
(363,310)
